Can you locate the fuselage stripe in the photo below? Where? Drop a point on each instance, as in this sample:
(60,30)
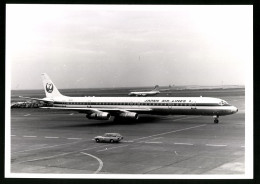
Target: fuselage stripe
(137,104)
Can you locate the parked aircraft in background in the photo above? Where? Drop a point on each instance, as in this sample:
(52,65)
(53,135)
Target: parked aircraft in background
(102,108)
(154,91)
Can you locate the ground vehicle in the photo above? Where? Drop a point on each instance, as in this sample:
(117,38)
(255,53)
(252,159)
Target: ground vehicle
(109,137)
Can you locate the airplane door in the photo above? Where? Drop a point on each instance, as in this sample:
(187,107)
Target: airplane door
(170,105)
(63,104)
(193,105)
(89,104)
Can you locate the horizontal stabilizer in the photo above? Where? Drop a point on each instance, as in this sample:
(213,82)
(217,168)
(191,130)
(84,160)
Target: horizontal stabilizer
(37,99)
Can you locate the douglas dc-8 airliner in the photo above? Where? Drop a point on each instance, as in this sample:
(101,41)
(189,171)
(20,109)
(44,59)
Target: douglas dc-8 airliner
(102,108)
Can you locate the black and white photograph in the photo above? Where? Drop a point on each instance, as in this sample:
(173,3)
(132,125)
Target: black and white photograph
(129,91)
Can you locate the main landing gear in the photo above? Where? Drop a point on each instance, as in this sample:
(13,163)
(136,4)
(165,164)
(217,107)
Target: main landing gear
(215,119)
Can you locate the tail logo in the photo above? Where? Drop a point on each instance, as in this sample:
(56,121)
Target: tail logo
(49,87)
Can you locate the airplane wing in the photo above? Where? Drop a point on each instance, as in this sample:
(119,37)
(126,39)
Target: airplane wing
(94,110)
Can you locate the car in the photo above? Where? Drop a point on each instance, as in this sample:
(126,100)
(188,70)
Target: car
(109,137)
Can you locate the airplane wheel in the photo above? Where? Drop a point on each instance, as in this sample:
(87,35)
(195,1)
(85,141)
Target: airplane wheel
(216,121)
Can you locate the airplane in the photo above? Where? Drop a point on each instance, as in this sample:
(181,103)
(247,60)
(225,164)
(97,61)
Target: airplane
(154,91)
(102,108)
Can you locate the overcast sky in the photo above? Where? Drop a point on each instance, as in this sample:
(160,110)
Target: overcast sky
(82,46)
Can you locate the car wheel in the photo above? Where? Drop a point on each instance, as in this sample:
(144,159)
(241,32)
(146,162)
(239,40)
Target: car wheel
(111,140)
(97,140)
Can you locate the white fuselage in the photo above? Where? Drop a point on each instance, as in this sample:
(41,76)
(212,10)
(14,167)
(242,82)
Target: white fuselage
(146,93)
(149,105)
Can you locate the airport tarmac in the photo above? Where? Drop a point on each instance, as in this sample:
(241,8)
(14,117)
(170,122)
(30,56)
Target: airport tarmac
(47,141)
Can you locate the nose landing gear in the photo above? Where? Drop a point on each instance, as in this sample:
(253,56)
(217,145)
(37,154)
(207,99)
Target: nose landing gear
(215,119)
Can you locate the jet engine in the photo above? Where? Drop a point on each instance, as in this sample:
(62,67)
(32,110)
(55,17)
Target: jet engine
(99,116)
(130,115)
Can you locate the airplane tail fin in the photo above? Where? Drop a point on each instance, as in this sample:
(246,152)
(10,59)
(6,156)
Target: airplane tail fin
(156,88)
(49,87)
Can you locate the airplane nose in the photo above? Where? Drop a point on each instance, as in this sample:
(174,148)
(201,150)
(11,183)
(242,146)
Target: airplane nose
(234,109)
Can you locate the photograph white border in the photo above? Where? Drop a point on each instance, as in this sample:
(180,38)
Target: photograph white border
(248,134)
